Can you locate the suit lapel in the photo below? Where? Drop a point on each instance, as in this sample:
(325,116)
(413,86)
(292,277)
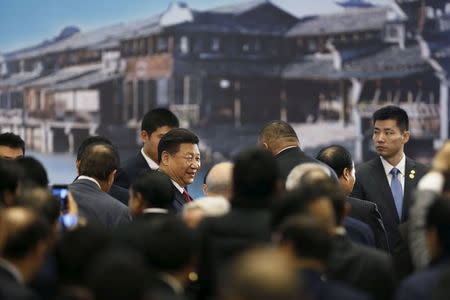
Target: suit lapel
(410,183)
(385,190)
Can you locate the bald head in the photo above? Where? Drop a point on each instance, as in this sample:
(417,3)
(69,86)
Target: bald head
(277,135)
(307,171)
(218,180)
(261,274)
(23,230)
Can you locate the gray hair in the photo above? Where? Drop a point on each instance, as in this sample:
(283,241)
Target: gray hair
(294,179)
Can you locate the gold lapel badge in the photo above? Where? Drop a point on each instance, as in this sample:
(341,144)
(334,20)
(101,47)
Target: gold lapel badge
(412,174)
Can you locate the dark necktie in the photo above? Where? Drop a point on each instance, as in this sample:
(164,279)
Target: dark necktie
(397,191)
(186,195)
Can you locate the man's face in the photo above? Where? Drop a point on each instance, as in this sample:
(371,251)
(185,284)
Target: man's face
(182,167)
(388,138)
(151,141)
(10,153)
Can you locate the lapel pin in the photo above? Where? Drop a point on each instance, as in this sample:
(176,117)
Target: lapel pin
(412,174)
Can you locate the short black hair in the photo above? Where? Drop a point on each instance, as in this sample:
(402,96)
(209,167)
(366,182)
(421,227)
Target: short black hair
(91,140)
(336,157)
(157,118)
(75,251)
(12,140)
(438,217)
(168,244)
(119,273)
(23,236)
(98,161)
(33,171)
(254,180)
(298,200)
(309,236)
(10,174)
(155,188)
(172,140)
(392,112)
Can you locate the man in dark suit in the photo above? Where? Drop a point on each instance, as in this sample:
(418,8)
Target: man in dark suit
(155,124)
(389,180)
(281,140)
(340,160)
(308,244)
(24,248)
(179,157)
(363,268)
(97,169)
(420,286)
(254,184)
(116,191)
(150,196)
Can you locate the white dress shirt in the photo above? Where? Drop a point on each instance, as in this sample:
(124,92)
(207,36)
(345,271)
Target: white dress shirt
(401,166)
(90,179)
(151,163)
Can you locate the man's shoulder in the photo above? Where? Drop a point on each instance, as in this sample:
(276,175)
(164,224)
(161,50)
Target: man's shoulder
(418,166)
(367,165)
(136,161)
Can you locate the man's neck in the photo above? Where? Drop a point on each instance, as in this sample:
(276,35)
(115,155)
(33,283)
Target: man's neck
(283,147)
(395,159)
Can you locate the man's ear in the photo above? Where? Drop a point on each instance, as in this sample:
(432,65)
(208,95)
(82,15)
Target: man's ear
(165,156)
(77,165)
(204,189)
(347,174)
(405,135)
(144,136)
(111,177)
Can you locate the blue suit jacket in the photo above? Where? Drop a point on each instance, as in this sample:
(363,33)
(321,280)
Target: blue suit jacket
(359,232)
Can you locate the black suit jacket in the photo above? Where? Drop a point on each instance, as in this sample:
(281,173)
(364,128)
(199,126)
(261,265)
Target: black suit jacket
(96,206)
(359,232)
(362,268)
(130,170)
(119,193)
(222,238)
(368,213)
(291,157)
(11,289)
(372,185)
(178,201)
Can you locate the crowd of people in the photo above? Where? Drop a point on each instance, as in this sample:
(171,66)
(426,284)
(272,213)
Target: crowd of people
(274,223)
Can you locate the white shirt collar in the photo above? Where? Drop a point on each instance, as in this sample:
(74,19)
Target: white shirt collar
(400,166)
(155,210)
(286,149)
(179,187)
(151,163)
(12,269)
(174,284)
(90,179)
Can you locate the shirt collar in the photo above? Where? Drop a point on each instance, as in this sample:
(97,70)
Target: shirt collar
(12,269)
(400,166)
(151,163)
(179,187)
(174,284)
(90,179)
(286,149)
(155,210)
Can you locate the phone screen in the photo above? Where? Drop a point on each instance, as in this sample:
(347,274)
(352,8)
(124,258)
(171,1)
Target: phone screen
(61,191)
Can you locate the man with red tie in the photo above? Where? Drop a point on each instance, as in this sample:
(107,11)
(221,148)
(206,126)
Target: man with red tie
(179,157)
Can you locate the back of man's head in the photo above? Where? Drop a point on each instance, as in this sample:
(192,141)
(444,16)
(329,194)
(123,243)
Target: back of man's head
(392,112)
(262,274)
(41,200)
(99,162)
(301,201)
(218,180)
(276,134)
(309,237)
(296,177)
(169,245)
(34,172)
(255,176)
(13,141)
(159,117)
(437,218)
(89,141)
(337,157)
(172,140)
(24,229)
(10,174)
(155,189)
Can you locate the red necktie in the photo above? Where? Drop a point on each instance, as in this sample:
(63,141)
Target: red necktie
(186,195)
